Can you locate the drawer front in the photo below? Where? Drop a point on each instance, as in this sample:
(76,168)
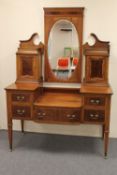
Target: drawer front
(70,115)
(21,112)
(57,115)
(45,114)
(94,115)
(95,100)
(20,97)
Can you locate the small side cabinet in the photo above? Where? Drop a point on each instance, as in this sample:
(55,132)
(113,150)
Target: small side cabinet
(96,61)
(29,61)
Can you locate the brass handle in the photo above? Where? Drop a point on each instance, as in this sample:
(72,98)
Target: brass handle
(20,98)
(71,117)
(92,101)
(91,115)
(68,115)
(41,115)
(95,101)
(20,111)
(94,116)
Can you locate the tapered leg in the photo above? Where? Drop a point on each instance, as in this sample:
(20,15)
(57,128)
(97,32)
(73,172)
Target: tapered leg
(106,141)
(103,128)
(22,126)
(10,134)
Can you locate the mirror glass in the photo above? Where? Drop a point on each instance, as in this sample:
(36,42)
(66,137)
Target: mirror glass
(63,49)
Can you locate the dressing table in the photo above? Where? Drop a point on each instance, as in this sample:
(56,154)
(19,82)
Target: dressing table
(47,97)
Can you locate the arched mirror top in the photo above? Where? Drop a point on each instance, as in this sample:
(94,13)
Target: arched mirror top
(63,44)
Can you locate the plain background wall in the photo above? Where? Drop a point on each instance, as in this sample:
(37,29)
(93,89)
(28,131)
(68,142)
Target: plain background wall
(20,19)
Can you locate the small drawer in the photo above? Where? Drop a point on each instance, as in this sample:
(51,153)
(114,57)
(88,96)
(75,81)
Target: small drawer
(21,112)
(20,97)
(94,115)
(70,115)
(44,114)
(95,100)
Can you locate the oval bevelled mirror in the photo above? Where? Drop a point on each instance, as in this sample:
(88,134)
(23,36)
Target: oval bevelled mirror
(63,45)
(63,49)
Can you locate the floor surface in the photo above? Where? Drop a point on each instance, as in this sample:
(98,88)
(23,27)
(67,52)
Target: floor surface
(47,154)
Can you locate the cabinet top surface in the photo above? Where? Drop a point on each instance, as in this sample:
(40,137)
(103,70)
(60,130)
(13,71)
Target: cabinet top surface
(96,89)
(49,99)
(23,86)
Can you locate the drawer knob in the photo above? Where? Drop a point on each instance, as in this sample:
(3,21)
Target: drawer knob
(68,115)
(97,101)
(96,115)
(18,97)
(92,101)
(22,97)
(91,115)
(73,116)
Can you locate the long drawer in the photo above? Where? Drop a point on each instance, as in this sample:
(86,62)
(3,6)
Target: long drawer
(57,114)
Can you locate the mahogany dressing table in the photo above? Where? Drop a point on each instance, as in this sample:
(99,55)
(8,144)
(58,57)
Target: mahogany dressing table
(30,99)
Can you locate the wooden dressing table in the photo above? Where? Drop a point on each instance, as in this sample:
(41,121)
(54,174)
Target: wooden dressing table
(29,99)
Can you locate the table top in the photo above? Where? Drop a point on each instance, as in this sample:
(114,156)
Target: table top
(51,99)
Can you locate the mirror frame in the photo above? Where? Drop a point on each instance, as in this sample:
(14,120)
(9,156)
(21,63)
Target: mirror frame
(75,16)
